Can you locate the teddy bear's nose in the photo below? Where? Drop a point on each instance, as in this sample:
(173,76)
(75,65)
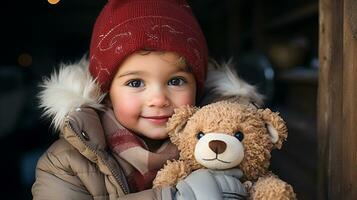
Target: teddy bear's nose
(217,146)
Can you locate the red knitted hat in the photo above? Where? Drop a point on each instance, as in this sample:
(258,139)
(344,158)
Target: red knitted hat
(126,26)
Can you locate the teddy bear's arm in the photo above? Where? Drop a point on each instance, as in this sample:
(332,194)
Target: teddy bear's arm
(271,187)
(172,172)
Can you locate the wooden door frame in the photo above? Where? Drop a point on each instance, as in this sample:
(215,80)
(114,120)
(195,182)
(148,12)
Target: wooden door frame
(337,100)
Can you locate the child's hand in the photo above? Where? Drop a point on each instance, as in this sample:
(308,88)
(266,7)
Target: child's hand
(209,184)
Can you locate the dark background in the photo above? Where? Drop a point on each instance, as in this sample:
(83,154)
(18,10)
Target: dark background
(273,43)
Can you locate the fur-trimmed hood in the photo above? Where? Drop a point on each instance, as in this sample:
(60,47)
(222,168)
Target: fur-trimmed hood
(72,86)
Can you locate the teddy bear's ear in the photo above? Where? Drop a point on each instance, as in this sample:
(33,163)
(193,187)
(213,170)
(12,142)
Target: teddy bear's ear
(276,127)
(178,121)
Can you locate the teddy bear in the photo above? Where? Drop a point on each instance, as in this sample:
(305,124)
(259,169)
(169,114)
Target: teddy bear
(227,131)
(223,135)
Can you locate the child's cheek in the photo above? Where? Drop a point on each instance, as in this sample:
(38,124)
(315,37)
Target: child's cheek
(186,99)
(127,109)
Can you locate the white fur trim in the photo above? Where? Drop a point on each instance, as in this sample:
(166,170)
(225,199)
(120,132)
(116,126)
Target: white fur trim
(223,80)
(69,88)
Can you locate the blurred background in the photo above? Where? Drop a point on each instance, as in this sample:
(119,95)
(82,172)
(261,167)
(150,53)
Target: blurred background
(273,44)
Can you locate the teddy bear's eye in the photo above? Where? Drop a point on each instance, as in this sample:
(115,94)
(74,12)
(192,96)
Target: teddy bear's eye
(200,134)
(239,135)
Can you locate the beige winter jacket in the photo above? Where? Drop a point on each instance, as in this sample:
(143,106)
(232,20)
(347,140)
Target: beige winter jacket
(78,165)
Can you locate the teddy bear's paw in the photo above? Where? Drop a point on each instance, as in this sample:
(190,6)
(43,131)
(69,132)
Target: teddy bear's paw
(272,188)
(172,172)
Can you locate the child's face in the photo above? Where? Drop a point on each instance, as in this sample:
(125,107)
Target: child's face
(146,90)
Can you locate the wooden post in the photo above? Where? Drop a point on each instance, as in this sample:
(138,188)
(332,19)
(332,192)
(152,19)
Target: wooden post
(337,101)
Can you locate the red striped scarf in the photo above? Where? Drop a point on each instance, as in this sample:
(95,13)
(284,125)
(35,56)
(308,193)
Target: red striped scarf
(139,164)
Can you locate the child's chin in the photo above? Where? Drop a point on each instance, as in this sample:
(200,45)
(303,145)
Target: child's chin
(160,137)
(156,136)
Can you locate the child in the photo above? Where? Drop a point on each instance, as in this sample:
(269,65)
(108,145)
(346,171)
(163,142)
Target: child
(150,57)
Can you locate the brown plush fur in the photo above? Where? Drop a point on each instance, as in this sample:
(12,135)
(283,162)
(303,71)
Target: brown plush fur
(229,117)
(271,187)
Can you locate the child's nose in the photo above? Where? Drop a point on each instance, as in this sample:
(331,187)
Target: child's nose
(158,98)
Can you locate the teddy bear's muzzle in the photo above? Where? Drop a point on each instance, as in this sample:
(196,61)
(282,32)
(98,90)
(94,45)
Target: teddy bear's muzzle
(218,151)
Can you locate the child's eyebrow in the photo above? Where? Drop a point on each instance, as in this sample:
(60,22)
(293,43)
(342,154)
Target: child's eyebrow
(129,73)
(182,69)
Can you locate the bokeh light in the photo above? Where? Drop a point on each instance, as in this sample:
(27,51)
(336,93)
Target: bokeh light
(24,60)
(53,1)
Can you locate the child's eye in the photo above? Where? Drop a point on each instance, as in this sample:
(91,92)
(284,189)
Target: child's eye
(177,81)
(135,83)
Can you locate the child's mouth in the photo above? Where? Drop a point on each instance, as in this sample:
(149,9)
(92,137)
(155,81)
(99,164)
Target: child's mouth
(157,119)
